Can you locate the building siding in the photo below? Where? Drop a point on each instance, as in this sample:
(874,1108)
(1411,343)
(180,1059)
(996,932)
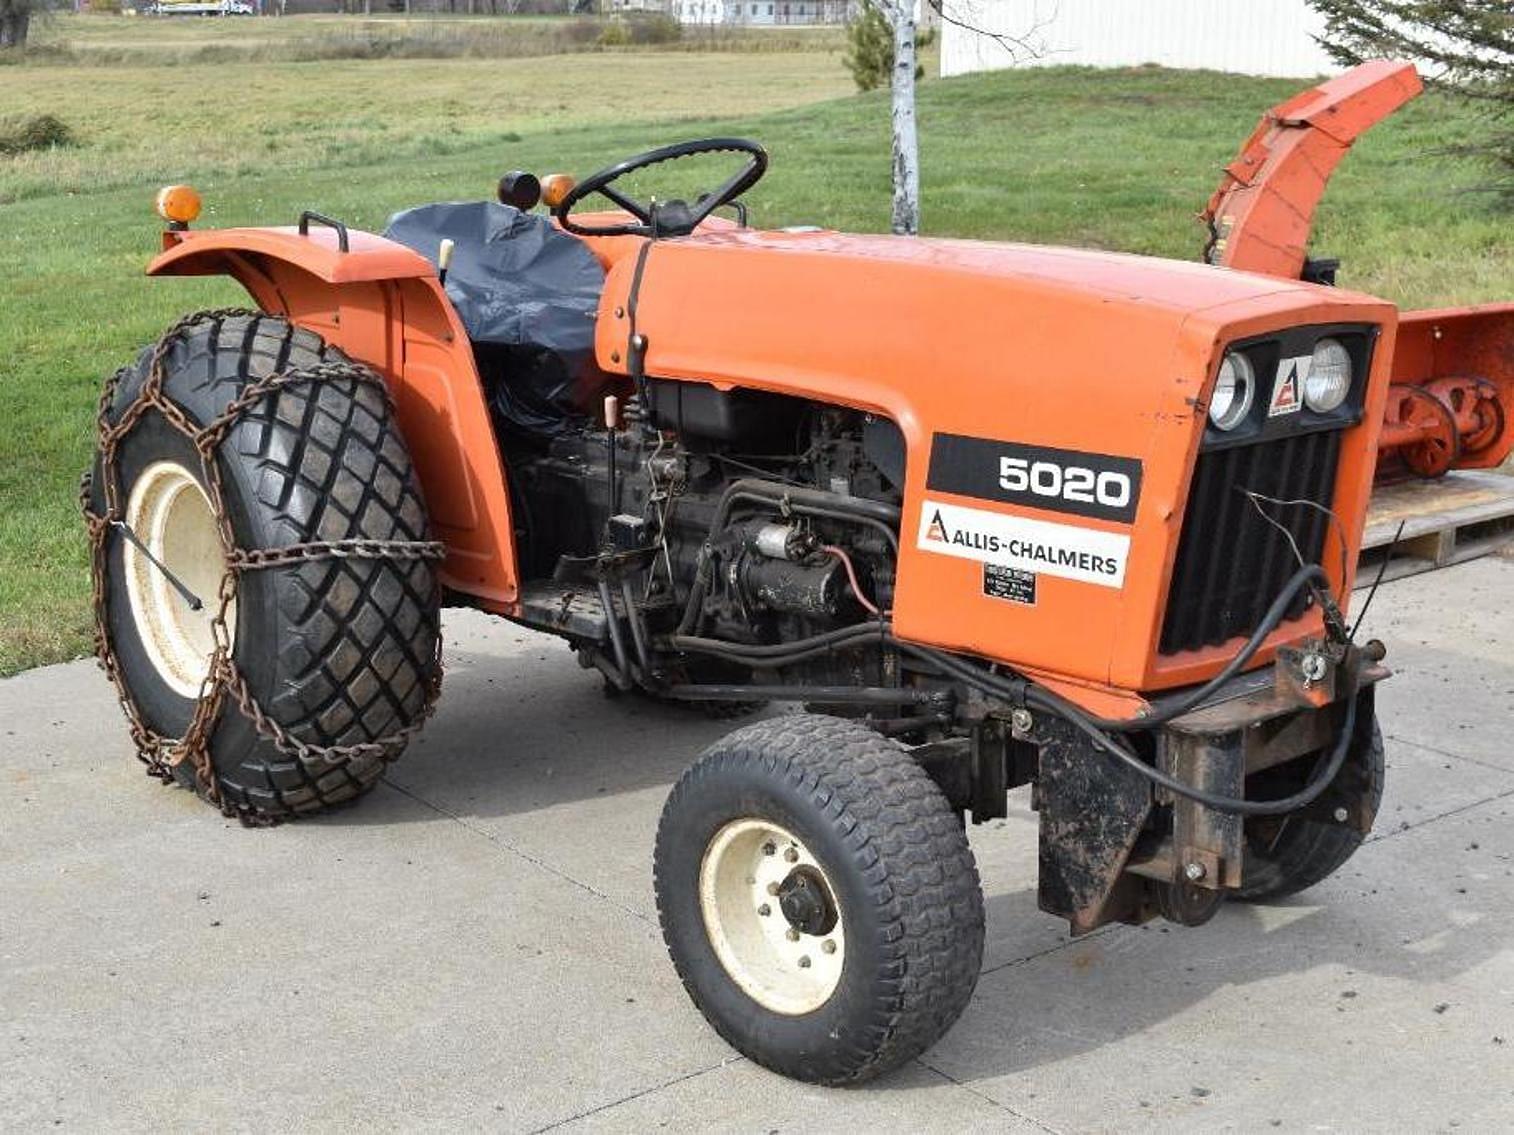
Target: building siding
(1253,37)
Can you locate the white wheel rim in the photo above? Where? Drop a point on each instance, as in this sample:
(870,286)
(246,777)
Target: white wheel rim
(170,513)
(779,966)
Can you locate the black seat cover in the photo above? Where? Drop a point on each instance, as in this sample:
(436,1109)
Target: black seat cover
(527,295)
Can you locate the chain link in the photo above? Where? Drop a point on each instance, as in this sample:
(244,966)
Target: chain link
(223,680)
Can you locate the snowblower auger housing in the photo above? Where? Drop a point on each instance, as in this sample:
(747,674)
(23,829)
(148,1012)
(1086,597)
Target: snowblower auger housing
(995,515)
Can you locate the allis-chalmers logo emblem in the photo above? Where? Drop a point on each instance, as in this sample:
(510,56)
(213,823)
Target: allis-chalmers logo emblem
(1285,388)
(937,530)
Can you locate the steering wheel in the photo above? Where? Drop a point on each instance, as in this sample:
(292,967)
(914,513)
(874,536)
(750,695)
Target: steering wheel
(663,218)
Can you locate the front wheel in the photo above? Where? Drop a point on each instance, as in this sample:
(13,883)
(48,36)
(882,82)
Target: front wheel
(818,898)
(1288,854)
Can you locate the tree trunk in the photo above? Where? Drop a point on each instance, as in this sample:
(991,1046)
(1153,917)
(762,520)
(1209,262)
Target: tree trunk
(906,220)
(15,22)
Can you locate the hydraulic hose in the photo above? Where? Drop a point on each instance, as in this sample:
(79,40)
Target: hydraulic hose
(1019,690)
(1043,699)
(1310,574)
(1322,779)
(776,655)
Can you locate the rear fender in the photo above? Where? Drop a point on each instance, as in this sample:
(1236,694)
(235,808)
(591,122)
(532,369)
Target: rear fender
(381,303)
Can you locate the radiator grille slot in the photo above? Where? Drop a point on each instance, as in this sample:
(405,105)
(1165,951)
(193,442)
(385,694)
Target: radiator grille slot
(1231,563)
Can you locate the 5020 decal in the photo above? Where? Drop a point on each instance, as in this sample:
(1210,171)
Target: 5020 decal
(1101,485)
(1077,483)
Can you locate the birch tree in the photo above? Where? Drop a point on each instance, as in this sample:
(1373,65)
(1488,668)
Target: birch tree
(900,14)
(906,136)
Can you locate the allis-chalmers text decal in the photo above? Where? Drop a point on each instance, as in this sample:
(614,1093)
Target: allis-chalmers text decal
(1035,546)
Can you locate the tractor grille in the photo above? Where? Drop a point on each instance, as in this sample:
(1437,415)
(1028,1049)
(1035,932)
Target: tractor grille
(1231,563)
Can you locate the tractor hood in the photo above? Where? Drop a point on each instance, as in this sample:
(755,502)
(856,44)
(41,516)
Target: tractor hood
(984,347)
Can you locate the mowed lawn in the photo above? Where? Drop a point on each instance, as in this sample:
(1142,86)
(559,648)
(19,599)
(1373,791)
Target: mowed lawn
(1120,159)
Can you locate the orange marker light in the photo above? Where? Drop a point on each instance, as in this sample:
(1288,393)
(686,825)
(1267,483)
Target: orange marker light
(554,187)
(178,204)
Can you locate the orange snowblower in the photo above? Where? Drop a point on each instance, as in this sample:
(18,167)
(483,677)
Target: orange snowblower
(1452,391)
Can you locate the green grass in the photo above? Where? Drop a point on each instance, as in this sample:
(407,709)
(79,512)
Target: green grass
(1108,159)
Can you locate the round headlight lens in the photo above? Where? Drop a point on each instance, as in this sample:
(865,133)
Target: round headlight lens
(1234,391)
(1329,378)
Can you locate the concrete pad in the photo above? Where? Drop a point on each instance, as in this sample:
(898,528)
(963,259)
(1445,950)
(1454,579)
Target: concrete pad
(526,746)
(1378,1003)
(474,945)
(739,1096)
(181,971)
(1451,644)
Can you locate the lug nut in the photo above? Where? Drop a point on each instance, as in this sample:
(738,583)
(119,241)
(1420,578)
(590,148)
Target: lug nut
(764,910)
(1194,872)
(791,855)
(772,888)
(829,946)
(1341,815)
(769,848)
(792,934)
(804,962)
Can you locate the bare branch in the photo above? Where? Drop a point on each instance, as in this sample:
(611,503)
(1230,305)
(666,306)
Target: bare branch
(1029,44)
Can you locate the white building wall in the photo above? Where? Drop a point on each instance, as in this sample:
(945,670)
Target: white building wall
(762,13)
(1251,37)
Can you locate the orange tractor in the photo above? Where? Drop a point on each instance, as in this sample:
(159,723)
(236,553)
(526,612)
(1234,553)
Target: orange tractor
(992,515)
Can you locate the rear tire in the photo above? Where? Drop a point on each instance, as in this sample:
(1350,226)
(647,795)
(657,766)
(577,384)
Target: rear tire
(337,651)
(1288,854)
(870,947)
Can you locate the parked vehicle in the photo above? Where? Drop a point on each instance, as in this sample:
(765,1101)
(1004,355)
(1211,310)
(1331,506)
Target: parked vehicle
(994,515)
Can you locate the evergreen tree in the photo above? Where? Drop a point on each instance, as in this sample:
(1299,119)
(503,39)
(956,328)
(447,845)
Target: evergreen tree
(870,47)
(1464,45)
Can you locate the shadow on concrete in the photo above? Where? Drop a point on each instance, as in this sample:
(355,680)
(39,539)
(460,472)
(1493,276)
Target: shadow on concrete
(521,733)
(1082,995)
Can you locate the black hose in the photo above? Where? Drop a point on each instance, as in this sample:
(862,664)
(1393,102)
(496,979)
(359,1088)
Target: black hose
(1019,690)
(1043,699)
(782,654)
(1275,614)
(1322,780)
(622,676)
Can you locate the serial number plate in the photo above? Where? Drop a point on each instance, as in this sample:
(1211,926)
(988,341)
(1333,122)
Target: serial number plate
(1013,584)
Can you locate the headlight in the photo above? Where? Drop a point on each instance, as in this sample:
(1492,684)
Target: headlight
(1234,391)
(1329,378)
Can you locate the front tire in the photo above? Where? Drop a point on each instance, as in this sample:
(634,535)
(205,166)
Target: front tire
(818,898)
(338,651)
(1287,854)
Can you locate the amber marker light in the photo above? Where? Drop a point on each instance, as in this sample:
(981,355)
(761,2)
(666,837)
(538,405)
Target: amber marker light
(554,187)
(178,205)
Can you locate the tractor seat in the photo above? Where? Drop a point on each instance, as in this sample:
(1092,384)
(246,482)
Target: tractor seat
(527,294)
(515,279)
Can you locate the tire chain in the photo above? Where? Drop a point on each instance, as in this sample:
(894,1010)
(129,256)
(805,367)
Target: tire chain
(224,680)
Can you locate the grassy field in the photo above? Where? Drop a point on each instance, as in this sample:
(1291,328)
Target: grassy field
(1108,159)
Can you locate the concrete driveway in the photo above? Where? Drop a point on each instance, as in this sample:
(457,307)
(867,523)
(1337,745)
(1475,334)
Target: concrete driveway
(475,945)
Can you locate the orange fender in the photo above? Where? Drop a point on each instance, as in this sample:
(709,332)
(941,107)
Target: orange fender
(381,303)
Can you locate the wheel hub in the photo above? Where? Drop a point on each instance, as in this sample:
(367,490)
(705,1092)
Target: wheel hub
(806,902)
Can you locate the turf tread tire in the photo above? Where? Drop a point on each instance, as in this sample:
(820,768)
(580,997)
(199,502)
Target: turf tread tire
(338,650)
(1310,851)
(905,849)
